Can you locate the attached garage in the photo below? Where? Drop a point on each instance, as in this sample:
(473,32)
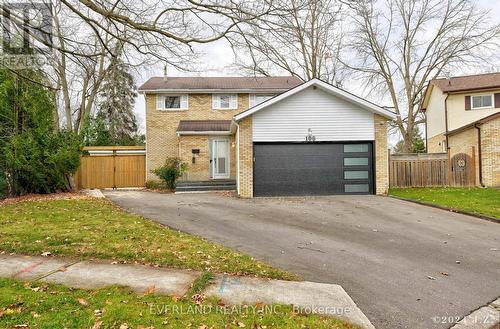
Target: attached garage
(314,139)
(312,169)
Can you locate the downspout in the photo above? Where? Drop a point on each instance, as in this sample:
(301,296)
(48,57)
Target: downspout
(446,123)
(480,161)
(446,138)
(237,157)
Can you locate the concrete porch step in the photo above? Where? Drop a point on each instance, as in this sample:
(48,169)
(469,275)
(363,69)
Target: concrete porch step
(202,186)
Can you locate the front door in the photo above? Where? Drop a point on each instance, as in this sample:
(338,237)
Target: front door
(219,158)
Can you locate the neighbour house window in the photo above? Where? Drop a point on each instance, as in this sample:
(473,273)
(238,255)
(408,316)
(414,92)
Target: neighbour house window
(172,102)
(224,101)
(481,102)
(258,98)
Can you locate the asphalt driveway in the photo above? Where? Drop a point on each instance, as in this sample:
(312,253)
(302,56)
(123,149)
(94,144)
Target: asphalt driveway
(405,265)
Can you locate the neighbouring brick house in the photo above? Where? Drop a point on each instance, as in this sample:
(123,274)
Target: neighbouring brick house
(271,135)
(463,117)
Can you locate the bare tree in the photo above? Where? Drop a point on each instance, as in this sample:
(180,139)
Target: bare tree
(300,37)
(86,32)
(399,45)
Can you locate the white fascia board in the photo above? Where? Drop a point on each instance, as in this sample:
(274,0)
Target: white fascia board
(325,87)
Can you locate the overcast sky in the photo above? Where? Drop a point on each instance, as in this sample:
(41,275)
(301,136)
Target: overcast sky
(217,59)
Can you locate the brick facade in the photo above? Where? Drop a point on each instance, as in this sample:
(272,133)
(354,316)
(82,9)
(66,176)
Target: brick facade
(381,155)
(162,140)
(435,144)
(490,151)
(466,142)
(245,141)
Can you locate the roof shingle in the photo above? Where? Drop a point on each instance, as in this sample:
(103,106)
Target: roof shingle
(204,125)
(470,82)
(221,83)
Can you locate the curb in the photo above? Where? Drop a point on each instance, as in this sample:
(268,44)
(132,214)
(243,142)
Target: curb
(423,203)
(486,317)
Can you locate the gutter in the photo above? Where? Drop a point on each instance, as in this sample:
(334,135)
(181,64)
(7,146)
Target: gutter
(480,161)
(447,138)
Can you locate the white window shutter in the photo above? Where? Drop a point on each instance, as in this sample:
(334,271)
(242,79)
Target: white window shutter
(184,102)
(234,101)
(215,101)
(251,99)
(160,102)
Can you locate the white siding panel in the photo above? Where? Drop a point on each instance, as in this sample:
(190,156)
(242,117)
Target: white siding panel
(330,118)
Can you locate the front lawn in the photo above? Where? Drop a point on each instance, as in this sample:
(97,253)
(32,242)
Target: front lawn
(96,228)
(483,201)
(39,305)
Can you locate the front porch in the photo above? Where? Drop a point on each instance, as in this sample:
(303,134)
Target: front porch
(208,148)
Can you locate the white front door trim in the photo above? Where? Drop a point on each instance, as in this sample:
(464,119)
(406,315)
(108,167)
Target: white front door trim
(220,158)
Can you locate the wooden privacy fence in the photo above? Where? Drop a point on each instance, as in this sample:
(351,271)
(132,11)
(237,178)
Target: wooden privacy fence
(418,170)
(112,167)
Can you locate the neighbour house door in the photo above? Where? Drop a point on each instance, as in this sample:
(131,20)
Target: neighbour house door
(219,158)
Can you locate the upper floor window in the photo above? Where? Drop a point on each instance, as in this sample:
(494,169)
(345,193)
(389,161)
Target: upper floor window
(172,102)
(259,98)
(224,101)
(481,102)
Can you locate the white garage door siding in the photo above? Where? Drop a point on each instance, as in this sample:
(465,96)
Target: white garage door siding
(329,117)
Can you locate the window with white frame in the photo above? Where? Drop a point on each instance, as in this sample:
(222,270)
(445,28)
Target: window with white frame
(224,101)
(172,102)
(256,99)
(481,102)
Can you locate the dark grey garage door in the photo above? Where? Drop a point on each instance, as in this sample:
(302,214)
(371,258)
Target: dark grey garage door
(282,169)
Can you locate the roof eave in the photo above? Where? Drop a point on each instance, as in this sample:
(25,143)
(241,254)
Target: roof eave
(212,91)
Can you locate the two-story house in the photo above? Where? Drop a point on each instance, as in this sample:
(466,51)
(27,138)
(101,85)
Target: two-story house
(463,117)
(271,135)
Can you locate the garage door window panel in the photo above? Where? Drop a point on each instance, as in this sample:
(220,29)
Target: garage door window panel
(356,162)
(356,188)
(356,148)
(357,174)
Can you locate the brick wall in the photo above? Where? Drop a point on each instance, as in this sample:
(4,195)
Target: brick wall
(490,151)
(162,140)
(381,155)
(466,142)
(435,144)
(246,158)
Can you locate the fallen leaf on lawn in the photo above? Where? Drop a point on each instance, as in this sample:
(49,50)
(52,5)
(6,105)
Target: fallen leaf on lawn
(202,327)
(46,253)
(83,302)
(21,326)
(124,326)
(241,325)
(35,315)
(150,290)
(108,302)
(97,325)
(220,302)
(198,299)
(175,298)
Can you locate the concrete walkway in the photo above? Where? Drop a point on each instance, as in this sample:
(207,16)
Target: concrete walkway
(306,297)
